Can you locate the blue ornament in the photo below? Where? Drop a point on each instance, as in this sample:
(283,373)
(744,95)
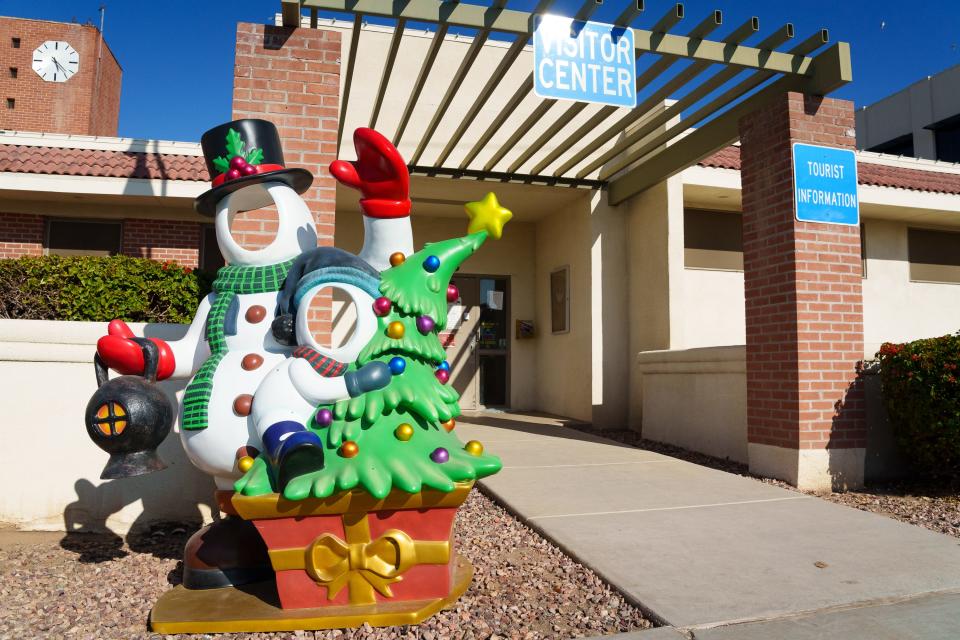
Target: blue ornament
(431,264)
(397,365)
(444,366)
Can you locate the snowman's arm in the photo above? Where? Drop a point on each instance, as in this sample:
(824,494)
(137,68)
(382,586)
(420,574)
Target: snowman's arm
(191,350)
(319,389)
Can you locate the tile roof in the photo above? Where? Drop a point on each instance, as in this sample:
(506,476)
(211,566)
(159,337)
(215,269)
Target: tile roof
(101,163)
(868,173)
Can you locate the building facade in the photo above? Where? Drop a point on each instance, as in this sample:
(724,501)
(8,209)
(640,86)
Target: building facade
(650,314)
(921,121)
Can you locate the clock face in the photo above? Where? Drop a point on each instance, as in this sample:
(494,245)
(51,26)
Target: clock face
(55,61)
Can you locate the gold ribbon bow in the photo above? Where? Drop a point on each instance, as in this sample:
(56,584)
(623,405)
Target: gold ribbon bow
(363,564)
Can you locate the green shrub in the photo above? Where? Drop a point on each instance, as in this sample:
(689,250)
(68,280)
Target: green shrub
(922,396)
(99,289)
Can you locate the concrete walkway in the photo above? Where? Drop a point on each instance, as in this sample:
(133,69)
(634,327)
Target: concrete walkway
(718,554)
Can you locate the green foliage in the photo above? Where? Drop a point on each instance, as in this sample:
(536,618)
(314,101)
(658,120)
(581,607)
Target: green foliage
(922,395)
(99,289)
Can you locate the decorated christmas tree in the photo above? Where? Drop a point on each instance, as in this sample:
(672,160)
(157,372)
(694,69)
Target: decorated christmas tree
(401,436)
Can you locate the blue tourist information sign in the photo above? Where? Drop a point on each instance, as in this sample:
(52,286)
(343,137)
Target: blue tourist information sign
(825,184)
(584,61)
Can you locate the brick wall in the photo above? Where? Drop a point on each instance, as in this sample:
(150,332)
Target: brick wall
(292,78)
(60,107)
(162,240)
(804,308)
(21,234)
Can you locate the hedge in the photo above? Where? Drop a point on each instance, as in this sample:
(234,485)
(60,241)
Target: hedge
(100,289)
(921,392)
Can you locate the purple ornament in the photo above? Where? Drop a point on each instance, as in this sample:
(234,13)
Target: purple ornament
(324,417)
(440,455)
(425,324)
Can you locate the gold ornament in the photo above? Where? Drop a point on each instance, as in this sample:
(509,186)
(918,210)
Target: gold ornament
(395,330)
(487,215)
(245,464)
(397,259)
(474,448)
(403,432)
(349,449)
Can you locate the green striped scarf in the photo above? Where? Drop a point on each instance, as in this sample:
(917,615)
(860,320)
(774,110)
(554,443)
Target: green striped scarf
(231,281)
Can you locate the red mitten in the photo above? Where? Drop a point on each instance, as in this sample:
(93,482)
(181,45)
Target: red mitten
(379,173)
(125,356)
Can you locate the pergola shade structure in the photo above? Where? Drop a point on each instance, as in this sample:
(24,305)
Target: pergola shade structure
(455,90)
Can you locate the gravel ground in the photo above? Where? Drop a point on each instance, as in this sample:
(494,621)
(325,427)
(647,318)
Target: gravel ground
(928,504)
(101,586)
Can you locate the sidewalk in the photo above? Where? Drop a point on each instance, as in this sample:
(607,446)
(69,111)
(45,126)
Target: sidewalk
(702,550)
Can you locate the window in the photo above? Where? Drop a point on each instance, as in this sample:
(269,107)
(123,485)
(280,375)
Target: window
(13,72)
(946,136)
(712,240)
(210,257)
(902,146)
(15,43)
(83,238)
(934,255)
(11,103)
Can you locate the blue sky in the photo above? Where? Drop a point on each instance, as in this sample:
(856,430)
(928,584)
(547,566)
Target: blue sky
(177,56)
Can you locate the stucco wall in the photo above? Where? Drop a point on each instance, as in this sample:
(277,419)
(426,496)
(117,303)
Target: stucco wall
(512,255)
(563,376)
(713,308)
(895,309)
(51,475)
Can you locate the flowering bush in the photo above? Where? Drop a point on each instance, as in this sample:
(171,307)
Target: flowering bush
(99,289)
(922,396)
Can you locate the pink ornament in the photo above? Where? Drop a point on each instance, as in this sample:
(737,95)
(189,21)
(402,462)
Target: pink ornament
(442,375)
(233,174)
(382,306)
(425,324)
(453,294)
(238,163)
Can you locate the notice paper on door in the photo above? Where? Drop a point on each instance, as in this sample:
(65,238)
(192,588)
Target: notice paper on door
(454,316)
(495,300)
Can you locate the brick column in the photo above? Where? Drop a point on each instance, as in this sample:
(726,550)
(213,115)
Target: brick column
(804,306)
(291,77)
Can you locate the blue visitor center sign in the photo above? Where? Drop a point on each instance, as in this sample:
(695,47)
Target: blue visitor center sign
(825,184)
(584,61)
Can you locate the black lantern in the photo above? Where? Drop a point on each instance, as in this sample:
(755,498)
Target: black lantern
(128,417)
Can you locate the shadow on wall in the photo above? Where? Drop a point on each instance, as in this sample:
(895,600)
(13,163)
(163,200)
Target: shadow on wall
(173,495)
(180,495)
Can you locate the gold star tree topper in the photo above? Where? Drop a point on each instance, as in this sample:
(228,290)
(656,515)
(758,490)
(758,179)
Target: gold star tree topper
(487,215)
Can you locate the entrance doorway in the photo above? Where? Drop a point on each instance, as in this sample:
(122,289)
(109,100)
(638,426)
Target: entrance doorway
(477,341)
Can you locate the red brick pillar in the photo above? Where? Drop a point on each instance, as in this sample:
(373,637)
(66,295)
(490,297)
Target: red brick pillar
(804,306)
(292,78)
(21,234)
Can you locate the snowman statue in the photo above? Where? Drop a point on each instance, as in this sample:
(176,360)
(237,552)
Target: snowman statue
(242,330)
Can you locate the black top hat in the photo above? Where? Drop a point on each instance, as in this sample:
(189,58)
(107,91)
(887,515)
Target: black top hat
(241,153)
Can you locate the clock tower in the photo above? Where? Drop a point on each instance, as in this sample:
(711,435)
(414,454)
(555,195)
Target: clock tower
(57,77)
